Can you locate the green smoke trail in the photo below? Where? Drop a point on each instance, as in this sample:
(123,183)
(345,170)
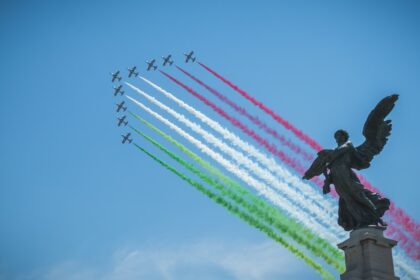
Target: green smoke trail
(251,207)
(243,215)
(270,214)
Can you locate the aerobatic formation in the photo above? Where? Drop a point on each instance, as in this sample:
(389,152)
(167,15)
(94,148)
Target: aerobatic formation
(255,169)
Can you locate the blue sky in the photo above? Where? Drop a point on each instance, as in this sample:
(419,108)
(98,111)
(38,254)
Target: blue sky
(76,204)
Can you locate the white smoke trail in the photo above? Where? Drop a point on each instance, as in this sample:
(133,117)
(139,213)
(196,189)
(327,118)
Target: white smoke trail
(295,199)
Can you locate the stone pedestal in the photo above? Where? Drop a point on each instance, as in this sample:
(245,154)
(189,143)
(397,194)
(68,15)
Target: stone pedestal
(368,255)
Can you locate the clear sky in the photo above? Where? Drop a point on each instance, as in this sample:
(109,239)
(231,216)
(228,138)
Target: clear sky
(76,204)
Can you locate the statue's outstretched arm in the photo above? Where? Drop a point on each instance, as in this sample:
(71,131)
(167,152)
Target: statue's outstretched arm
(318,165)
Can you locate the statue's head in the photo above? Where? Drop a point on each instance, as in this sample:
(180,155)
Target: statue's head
(341,136)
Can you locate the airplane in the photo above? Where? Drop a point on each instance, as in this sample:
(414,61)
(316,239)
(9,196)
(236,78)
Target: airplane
(167,60)
(115,76)
(118,90)
(151,65)
(126,138)
(189,57)
(121,106)
(132,71)
(122,121)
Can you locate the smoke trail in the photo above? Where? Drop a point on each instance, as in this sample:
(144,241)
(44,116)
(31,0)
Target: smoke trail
(270,147)
(305,138)
(281,222)
(242,215)
(398,217)
(406,267)
(311,195)
(254,119)
(241,159)
(240,173)
(408,222)
(399,261)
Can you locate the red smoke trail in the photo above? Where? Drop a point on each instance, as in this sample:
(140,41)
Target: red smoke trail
(397,214)
(252,118)
(270,147)
(308,140)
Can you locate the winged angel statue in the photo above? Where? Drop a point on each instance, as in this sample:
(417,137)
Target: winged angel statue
(358,207)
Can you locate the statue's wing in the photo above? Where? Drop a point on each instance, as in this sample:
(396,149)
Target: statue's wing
(319,164)
(377,129)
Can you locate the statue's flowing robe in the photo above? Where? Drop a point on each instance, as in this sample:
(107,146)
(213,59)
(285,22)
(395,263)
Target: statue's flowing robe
(358,207)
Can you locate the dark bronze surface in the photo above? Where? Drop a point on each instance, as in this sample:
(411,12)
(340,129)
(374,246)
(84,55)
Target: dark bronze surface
(358,207)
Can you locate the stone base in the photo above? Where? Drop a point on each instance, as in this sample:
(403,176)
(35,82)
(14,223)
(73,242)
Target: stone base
(368,255)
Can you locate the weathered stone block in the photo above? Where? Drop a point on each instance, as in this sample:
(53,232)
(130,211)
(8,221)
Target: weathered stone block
(368,255)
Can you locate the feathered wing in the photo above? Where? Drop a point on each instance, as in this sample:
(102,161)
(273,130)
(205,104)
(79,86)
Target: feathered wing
(376,131)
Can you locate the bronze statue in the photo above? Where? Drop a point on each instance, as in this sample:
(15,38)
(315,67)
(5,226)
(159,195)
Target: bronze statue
(358,207)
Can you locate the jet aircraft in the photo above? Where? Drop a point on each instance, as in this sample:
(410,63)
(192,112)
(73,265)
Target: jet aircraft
(189,56)
(115,76)
(118,90)
(126,138)
(150,65)
(121,106)
(132,72)
(167,60)
(122,121)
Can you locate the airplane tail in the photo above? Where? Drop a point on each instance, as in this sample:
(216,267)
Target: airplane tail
(170,63)
(125,123)
(130,140)
(193,59)
(124,108)
(122,93)
(154,67)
